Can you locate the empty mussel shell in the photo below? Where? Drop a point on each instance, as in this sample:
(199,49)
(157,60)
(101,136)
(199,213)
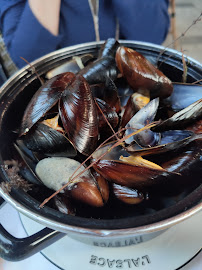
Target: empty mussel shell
(183,95)
(170,141)
(182,118)
(143,117)
(72,65)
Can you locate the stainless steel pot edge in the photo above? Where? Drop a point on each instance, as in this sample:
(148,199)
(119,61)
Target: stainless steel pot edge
(161,225)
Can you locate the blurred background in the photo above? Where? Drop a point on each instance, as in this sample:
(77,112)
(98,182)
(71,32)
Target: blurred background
(183,14)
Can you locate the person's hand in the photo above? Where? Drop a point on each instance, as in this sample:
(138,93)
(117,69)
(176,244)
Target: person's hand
(47,13)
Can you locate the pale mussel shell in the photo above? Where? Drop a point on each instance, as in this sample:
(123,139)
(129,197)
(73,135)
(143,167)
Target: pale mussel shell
(73,65)
(143,117)
(127,195)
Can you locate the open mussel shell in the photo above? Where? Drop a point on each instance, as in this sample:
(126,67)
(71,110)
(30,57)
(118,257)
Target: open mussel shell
(183,161)
(183,95)
(143,117)
(170,141)
(135,103)
(127,195)
(126,174)
(182,118)
(140,73)
(78,113)
(108,152)
(73,65)
(46,140)
(106,161)
(55,172)
(44,99)
(146,138)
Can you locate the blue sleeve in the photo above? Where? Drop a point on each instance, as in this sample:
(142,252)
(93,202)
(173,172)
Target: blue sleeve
(143,20)
(23,34)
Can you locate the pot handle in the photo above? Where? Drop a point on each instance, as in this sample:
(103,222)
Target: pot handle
(1,202)
(16,249)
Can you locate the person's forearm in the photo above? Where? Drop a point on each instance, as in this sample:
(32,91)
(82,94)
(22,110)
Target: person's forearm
(23,32)
(47,13)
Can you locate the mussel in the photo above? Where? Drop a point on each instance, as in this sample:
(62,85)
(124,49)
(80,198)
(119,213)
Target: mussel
(79,115)
(183,95)
(143,117)
(140,73)
(182,118)
(127,195)
(105,66)
(47,140)
(44,99)
(56,171)
(121,168)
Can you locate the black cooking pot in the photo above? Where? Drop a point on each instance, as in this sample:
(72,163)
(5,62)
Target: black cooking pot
(164,212)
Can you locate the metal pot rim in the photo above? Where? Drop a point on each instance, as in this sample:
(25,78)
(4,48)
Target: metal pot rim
(157,226)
